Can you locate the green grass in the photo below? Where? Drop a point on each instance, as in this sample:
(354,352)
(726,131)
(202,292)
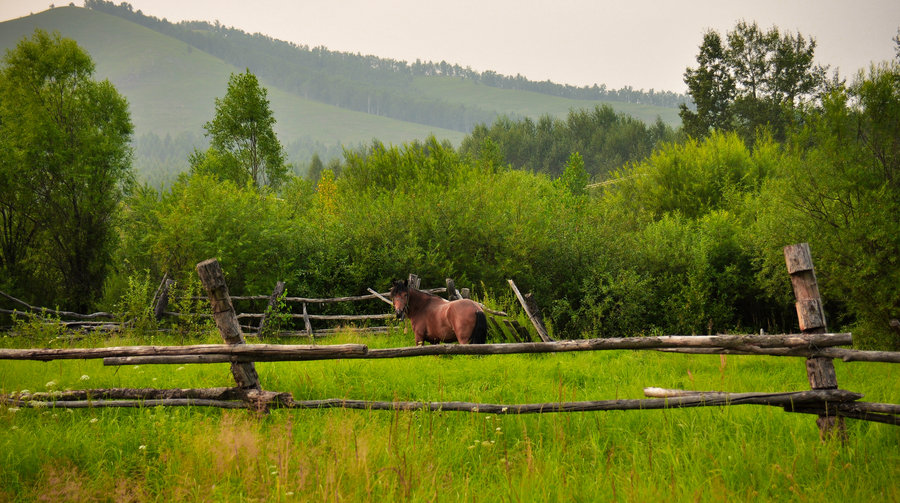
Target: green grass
(733,453)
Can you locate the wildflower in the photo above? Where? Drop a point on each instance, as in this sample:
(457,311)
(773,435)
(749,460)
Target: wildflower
(137,367)
(94,420)
(70,411)
(179,368)
(486,443)
(499,429)
(289,493)
(504,409)
(142,447)
(13,409)
(50,384)
(14,428)
(85,377)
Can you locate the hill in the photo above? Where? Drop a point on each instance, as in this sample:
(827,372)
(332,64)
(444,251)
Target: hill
(172,73)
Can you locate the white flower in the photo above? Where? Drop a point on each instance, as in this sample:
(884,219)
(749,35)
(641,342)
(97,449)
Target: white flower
(50,384)
(13,409)
(142,447)
(85,377)
(504,409)
(14,428)
(94,420)
(179,368)
(498,429)
(70,411)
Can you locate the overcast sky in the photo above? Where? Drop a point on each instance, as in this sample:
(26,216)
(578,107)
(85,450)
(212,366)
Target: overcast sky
(641,43)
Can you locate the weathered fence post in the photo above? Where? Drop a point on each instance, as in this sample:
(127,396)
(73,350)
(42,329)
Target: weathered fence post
(452,294)
(213,281)
(306,324)
(273,299)
(161,303)
(532,311)
(819,370)
(414,281)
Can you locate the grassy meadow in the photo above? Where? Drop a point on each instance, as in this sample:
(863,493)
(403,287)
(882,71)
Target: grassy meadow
(197,454)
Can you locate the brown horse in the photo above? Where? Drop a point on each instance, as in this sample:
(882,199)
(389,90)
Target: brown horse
(438,320)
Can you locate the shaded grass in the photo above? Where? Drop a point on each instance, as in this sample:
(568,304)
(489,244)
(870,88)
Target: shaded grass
(730,453)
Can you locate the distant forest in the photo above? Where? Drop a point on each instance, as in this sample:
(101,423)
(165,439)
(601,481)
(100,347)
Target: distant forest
(370,84)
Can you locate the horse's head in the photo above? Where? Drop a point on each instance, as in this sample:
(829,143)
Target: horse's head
(400,297)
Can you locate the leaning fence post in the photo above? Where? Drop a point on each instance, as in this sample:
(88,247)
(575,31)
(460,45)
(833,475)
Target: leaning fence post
(213,281)
(531,310)
(819,370)
(161,300)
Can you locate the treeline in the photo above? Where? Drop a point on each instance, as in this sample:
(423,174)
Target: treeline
(379,86)
(607,141)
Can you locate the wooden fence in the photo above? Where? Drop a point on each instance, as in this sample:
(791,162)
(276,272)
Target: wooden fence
(824,399)
(502,327)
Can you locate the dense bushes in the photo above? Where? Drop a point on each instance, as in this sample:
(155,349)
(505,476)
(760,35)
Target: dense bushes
(687,240)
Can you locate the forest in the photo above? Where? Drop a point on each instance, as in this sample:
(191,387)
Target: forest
(368,83)
(619,228)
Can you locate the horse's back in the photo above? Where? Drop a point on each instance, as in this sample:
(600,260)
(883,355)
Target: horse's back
(468,321)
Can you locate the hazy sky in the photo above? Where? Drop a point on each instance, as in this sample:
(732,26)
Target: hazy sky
(642,43)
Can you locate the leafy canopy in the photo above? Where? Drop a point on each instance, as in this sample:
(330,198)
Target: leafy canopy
(242,138)
(65,163)
(751,79)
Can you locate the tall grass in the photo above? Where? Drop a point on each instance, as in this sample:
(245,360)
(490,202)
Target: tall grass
(731,453)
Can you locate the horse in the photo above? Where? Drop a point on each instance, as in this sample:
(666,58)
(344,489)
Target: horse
(437,320)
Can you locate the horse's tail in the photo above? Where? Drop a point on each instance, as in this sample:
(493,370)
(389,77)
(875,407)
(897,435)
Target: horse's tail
(479,333)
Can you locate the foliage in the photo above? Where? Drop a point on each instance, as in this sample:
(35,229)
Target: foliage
(135,306)
(753,80)
(278,316)
(242,139)
(838,188)
(65,165)
(605,139)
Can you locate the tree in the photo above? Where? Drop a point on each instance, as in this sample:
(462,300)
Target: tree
(712,88)
(755,79)
(242,129)
(65,163)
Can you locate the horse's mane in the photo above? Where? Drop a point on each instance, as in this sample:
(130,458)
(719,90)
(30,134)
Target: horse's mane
(400,286)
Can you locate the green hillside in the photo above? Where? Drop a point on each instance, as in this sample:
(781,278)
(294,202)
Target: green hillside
(171,86)
(171,83)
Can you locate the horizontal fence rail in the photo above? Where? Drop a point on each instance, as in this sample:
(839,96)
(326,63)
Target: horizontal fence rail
(798,343)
